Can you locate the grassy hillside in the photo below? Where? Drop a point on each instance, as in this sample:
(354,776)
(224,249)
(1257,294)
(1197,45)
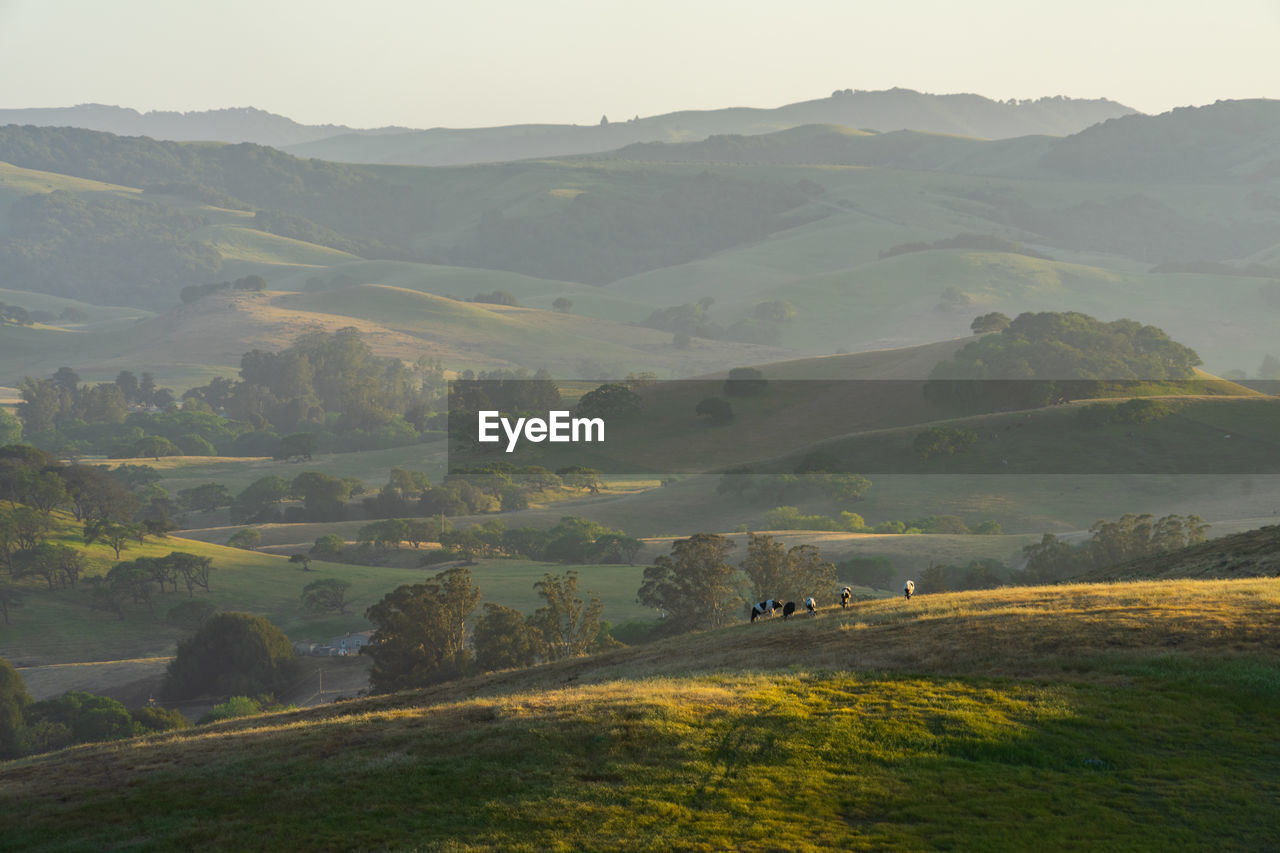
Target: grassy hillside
(466,282)
(957,720)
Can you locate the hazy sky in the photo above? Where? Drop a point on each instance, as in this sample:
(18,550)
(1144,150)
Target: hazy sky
(486,62)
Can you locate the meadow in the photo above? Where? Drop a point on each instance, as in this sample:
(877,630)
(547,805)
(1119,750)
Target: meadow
(1126,716)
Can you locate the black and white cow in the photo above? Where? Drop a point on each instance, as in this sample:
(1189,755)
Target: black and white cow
(788,609)
(764,608)
(909,588)
(845,595)
(811,606)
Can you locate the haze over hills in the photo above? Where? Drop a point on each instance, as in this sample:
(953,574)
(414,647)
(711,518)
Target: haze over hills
(893,109)
(242,124)
(874,240)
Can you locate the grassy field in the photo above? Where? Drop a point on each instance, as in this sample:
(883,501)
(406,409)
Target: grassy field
(1126,717)
(60,626)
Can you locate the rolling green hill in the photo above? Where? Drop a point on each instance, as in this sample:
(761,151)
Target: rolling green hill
(967,718)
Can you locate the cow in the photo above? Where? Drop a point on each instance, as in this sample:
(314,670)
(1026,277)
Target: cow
(765,607)
(908,589)
(788,609)
(811,606)
(845,595)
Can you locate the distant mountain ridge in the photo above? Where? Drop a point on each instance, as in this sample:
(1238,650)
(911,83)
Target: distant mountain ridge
(888,110)
(240,124)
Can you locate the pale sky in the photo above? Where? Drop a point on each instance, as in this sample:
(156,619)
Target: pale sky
(369,63)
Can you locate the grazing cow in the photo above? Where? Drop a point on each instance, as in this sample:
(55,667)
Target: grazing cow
(765,607)
(845,595)
(909,588)
(788,609)
(811,606)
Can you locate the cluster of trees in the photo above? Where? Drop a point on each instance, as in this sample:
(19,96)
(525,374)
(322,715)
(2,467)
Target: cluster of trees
(137,581)
(326,382)
(790,518)
(811,477)
(326,392)
(112,509)
(572,540)
(196,292)
(420,634)
(29,728)
(61,401)
(1112,542)
(1053,355)
(763,325)
(696,587)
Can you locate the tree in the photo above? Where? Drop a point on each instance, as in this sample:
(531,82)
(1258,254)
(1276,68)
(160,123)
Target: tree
(504,639)
(577,477)
(1270,367)
(695,585)
(765,566)
(297,446)
(615,548)
(112,533)
(133,579)
(993,322)
(156,446)
(612,400)
(257,501)
(95,493)
(192,569)
(419,632)
(14,701)
(247,538)
(328,547)
(326,595)
(153,718)
(304,559)
(87,717)
(744,382)
(10,598)
(789,575)
(562,305)
(232,653)
(569,625)
(59,565)
(128,384)
(205,498)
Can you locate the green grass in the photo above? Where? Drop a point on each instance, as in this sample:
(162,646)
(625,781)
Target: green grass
(1045,718)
